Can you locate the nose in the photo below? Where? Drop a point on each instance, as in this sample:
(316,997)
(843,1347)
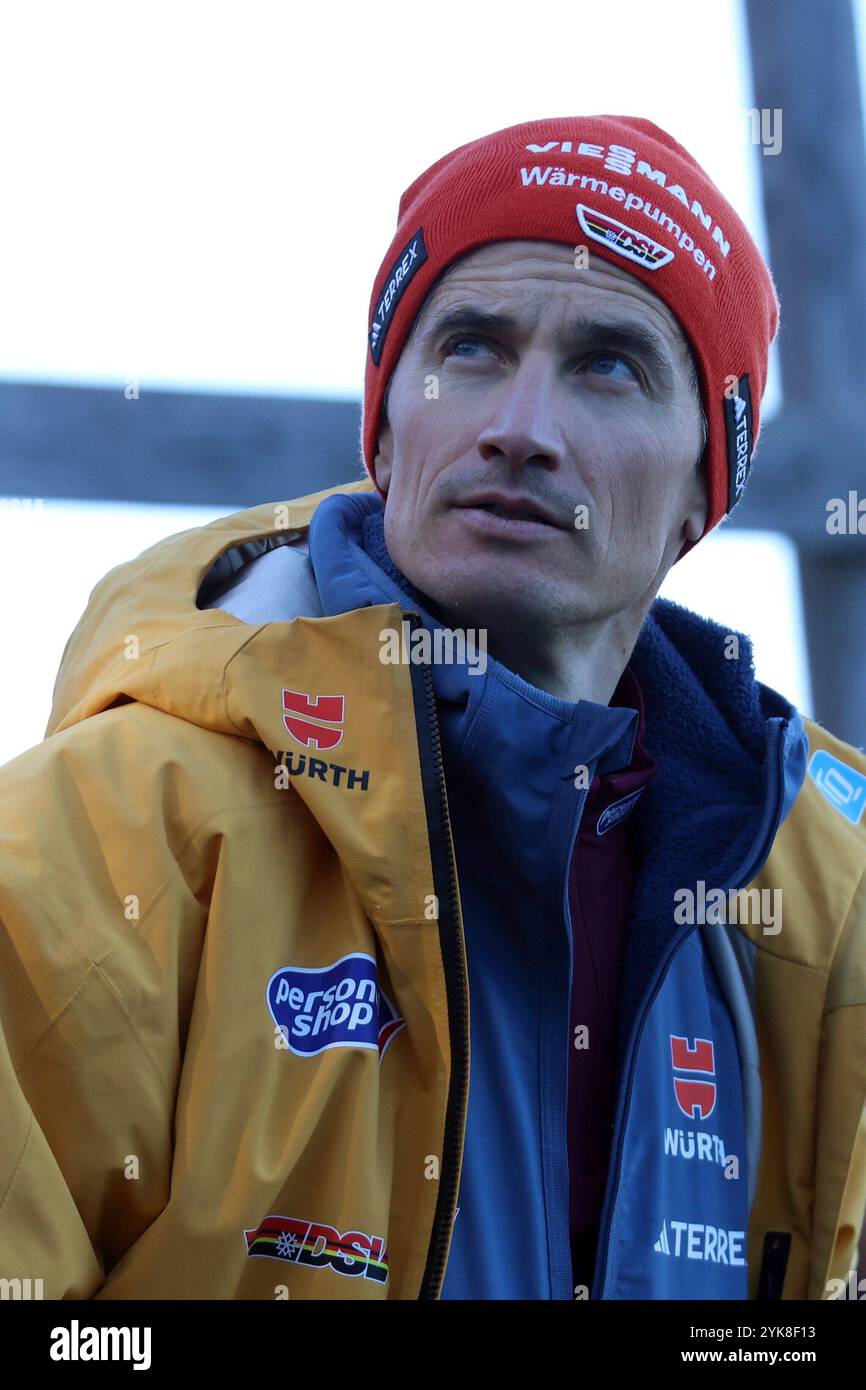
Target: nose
(524,413)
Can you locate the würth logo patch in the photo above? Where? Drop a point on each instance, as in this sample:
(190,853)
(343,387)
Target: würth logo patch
(739,432)
(319,1246)
(697,1099)
(314,720)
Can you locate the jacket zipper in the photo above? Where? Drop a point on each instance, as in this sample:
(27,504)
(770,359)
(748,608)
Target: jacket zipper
(768,827)
(562,1273)
(454,967)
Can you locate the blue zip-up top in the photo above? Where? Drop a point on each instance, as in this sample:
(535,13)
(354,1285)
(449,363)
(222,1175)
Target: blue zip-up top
(731,757)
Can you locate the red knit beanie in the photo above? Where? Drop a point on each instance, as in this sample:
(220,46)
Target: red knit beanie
(626,190)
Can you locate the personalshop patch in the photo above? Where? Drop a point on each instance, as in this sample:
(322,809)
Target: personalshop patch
(339,1005)
(617,811)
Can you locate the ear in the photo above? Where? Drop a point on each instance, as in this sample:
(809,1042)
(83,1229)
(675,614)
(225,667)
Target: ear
(693,529)
(384,457)
(693,526)
(697,501)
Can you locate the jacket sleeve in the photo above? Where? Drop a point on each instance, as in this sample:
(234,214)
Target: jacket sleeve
(846,1256)
(840,1168)
(100,940)
(854,1202)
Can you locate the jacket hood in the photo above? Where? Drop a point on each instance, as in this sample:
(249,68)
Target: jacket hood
(147,634)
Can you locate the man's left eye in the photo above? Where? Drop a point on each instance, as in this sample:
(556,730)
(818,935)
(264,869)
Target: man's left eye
(612,357)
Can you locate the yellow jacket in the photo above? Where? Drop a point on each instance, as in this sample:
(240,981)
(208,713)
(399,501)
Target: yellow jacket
(154,878)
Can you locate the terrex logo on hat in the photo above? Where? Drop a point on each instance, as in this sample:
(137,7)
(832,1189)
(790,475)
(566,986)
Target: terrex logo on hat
(625,188)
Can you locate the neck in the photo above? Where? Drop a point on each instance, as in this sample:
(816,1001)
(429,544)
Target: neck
(584,661)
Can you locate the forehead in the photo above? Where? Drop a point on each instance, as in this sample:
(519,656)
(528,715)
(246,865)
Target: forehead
(534,277)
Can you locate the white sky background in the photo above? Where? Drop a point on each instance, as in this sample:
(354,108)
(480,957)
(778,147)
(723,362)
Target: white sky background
(199,195)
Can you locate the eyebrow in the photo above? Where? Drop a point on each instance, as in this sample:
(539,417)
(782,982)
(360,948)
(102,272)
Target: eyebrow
(581,333)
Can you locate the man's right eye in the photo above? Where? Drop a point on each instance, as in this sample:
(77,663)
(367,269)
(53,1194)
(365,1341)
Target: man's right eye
(453,343)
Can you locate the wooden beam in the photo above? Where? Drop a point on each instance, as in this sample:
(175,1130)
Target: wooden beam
(804,65)
(171,446)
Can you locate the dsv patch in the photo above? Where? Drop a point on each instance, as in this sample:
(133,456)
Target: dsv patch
(319,1246)
(339,1005)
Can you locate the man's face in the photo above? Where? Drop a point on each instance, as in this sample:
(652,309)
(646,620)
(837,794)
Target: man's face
(554,410)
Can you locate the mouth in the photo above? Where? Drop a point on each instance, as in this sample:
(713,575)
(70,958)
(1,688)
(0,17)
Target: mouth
(513,513)
(509,518)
